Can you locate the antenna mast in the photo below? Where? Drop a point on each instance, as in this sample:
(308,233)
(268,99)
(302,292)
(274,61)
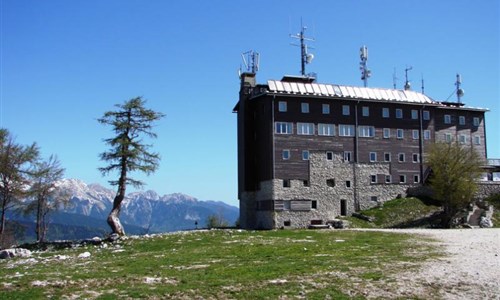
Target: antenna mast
(305,57)
(460,92)
(251,59)
(423,84)
(394,79)
(407,82)
(365,72)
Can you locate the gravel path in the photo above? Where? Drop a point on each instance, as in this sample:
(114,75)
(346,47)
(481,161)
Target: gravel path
(469,270)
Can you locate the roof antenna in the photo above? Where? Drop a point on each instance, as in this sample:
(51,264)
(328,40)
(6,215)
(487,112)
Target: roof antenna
(394,79)
(422,83)
(365,72)
(460,92)
(251,60)
(407,82)
(305,57)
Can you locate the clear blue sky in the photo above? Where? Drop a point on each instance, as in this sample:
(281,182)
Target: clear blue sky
(64,63)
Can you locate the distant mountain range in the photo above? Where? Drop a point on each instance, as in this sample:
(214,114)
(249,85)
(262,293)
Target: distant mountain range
(142,212)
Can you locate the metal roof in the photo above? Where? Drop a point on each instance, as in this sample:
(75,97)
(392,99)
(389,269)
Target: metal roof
(350,92)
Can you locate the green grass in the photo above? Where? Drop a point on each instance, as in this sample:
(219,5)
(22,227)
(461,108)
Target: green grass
(220,264)
(495,201)
(397,213)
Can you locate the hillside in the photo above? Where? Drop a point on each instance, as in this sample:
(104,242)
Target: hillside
(142,212)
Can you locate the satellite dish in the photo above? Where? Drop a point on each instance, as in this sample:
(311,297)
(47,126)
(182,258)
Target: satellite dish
(309,58)
(460,92)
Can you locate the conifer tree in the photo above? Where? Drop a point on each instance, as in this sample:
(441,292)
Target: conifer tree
(128,152)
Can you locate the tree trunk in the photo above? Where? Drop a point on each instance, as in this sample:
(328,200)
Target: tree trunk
(2,222)
(114,215)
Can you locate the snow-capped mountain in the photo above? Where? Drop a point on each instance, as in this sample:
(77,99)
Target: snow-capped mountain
(145,209)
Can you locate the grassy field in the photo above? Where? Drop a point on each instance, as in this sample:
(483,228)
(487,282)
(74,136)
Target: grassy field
(220,264)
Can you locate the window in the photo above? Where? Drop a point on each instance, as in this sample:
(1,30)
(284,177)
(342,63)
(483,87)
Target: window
(305,155)
(366,131)
(282,106)
(399,133)
(285,154)
(346,130)
(374,198)
(447,119)
(416,178)
(387,133)
(475,121)
(306,183)
(414,114)
(401,157)
(373,156)
(325,108)
(330,182)
(347,156)
(477,140)
(287,184)
(415,134)
(314,204)
(385,112)
(463,139)
(447,137)
(373,178)
(304,107)
(402,178)
(426,115)
(365,111)
(416,157)
(348,183)
(329,155)
(427,134)
(284,128)
(346,110)
(461,120)
(305,128)
(326,129)
(387,156)
(399,113)
(388,178)
(288,222)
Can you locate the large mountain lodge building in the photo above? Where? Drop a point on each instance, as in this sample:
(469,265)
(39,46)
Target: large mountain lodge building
(309,152)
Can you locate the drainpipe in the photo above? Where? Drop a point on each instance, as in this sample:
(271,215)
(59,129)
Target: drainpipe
(356,158)
(272,134)
(421,145)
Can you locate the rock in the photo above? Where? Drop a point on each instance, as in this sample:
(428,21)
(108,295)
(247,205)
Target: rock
(114,237)
(84,255)
(15,252)
(338,224)
(485,222)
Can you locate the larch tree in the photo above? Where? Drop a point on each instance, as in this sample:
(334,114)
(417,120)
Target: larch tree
(128,152)
(16,162)
(45,194)
(455,171)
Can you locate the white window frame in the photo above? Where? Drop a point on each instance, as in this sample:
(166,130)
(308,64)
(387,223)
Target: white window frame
(282,106)
(403,177)
(416,157)
(385,112)
(325,109)
(373,156)
(414,114)
(399,113)
(401,154)
(387,156)
(447,119)
(347,156)
(461,120)
(326,129)
(304,107)
(305,128)
(373,178)
(285,154)
(346,110)
(475,121)
(448,138)
(346,130)
(426,115)
(283,127)
(305,154)
(416,178)
(462,139)
(366,131)
(398,135)
(415,134)
(365,111)
(387,133)
(388,179)
(329,153)
(427,134)
(477,140)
